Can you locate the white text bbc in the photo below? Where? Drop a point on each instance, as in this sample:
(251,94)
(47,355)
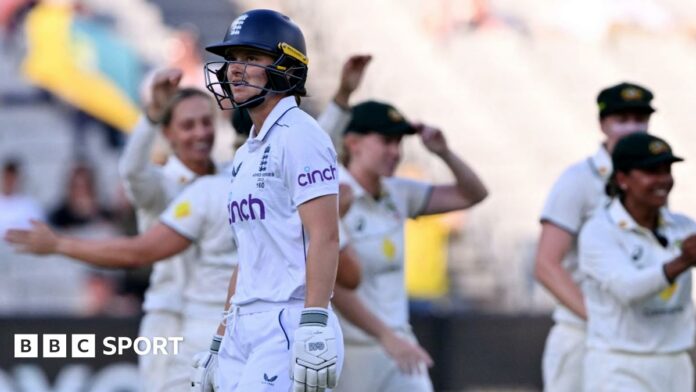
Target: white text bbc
(84,345)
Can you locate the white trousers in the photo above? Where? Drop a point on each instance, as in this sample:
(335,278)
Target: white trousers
(256,351)
(607,371)
(197,334)
(154,369)
(562,363)
(368,368)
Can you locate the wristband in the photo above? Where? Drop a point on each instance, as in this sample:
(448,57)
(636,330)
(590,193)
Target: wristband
(215,345)
(314,316)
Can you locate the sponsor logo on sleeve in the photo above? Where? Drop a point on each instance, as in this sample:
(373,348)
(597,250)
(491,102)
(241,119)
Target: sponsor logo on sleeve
(310,176)
(182,210)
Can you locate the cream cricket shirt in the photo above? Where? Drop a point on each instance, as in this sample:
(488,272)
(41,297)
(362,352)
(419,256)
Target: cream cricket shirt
(289,162)
(631,306)
(575,196)
(375,229)
(198,214)
(151,188)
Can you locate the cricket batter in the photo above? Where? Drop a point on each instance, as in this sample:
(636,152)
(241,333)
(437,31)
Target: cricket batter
(282,206)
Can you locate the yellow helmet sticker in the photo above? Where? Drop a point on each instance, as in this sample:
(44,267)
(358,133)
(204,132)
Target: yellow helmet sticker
(182,210)
(294,53)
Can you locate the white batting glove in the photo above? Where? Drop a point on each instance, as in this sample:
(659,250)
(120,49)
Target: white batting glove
(314,356)
(204,368)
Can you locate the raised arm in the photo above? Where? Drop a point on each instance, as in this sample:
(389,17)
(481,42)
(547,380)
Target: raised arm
(141,178)
(155,244)
(468,189)
(336,116)
(603,260)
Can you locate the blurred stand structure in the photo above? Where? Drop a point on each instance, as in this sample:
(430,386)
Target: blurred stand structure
(18,208)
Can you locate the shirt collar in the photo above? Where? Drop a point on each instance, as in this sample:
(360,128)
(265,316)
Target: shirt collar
(278,111)
(601,163)
(175,168)
(358,191)
(624,220)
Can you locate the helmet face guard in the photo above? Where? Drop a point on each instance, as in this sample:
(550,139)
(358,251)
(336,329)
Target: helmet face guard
(268,32)
(285,76)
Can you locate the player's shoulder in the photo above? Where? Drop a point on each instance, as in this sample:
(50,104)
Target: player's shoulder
(297,126)
(577,172)
(212,179)
(574,181)
(598,225)
(206,185)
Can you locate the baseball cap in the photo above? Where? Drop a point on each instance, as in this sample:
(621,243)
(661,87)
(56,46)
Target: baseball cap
(641,151)
(378,117)
(624,97)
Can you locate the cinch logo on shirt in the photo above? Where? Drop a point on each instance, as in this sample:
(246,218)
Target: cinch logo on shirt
(310,177)
(246,209)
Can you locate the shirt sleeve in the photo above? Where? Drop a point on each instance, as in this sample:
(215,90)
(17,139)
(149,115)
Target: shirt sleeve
(309,167)
(414,195)
(565,203)
(187,212)
(603,259)
(334,120)
(141,178)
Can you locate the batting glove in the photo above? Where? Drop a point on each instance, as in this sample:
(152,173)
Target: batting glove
(204,368)
(314,357)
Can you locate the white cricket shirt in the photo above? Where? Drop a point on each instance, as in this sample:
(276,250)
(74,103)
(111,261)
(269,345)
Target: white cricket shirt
(289,162)
(151,188)
(198,214)
(631,306)
(376,232)
(575,196)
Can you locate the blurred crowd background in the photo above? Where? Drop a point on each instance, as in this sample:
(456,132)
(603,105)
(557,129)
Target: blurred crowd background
(512,84)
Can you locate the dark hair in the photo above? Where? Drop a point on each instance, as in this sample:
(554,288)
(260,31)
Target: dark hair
(11,165)
(611,188)
(181,95)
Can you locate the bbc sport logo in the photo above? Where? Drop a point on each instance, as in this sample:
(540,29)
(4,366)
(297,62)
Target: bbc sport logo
(85,345)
